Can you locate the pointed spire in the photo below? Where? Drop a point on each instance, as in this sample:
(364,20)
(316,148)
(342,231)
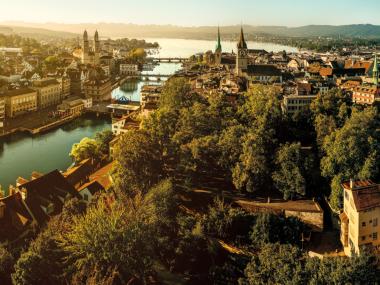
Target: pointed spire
(242,43)
(96,35)
(375,71)
(375,64)
(85,36)
(218,44)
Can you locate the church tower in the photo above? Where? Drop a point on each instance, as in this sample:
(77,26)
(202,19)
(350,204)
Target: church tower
(96,48)
(86,48)
(218,50)
(375,72)
(241,55)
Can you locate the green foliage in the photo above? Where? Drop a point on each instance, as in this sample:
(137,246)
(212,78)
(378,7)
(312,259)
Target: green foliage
(330,111)
(227,223)
(86,148)
(270,228)
(176,94)
(138,163)
(6,265)
(103,140)
(352,151)
(275,264)
(285,264)
(110,236)
(42,262)
(293,168)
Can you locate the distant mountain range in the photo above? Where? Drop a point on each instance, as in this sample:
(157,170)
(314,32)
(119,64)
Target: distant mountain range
(168,31)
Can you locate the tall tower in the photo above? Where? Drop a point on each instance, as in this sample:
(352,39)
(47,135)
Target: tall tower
(375,72)
(218,50)
(86,48)
(241,55)
(96,48)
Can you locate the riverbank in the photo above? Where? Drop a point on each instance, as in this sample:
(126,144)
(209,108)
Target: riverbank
(21,153)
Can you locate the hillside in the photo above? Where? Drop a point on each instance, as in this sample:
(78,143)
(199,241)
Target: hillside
(203,32)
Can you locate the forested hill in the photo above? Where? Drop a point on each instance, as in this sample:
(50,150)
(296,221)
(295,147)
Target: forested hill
(202,32)
(36,30)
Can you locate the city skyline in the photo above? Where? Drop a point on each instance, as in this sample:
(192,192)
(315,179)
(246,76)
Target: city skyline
(223,12)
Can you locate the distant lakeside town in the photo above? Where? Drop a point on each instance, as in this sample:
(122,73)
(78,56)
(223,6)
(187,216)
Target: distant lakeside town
(43,87)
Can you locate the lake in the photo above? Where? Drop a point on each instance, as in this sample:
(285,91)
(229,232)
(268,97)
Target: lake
(20,154)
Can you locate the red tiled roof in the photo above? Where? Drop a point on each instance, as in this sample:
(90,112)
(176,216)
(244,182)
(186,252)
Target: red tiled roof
(103,176)
(325,71)
(366,194)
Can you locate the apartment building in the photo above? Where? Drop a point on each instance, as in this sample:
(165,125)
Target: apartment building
(361,216)
(20,101)
(48,92)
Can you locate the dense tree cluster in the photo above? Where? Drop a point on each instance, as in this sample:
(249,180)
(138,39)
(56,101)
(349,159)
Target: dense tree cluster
(141,230)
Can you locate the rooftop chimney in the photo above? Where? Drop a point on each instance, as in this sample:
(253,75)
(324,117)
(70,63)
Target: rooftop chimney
(352,184)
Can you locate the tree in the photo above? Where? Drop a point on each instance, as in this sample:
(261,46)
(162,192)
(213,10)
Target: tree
(86,148)
(271,228)
(261,113)
(42,262)
(177,94)
(352,151)
(111,236)
(6,265)
(225,222)
(293,167)
(252,171)
(138,163)
(275,264)
(103,140)
(330,111)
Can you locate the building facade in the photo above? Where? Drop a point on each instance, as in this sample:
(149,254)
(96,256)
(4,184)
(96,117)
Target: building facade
(129,69)
(20,101)
(48,92)
(65,86)
(98,90)
(361,216)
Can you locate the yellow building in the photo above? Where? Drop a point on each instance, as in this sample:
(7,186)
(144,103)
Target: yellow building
(48,92)
(361,216)
(20,101)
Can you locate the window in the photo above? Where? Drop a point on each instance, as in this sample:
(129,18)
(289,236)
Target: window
(85,197)
(374,236)
(363,238)
(363,224)
(374,222)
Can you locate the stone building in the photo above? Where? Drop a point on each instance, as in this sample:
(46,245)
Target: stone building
(91,55)
(20,101)
(48,92)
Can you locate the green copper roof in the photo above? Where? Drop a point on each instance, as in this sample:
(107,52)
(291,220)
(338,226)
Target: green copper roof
(375,65)
(218,44)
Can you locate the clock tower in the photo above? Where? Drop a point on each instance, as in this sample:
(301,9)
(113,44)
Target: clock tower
(241,55)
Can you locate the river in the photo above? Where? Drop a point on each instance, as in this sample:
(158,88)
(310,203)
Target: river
(20,154)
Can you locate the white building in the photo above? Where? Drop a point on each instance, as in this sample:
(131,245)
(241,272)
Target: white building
(129,69)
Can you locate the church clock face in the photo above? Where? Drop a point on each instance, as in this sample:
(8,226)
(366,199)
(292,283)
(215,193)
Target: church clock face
(242,53)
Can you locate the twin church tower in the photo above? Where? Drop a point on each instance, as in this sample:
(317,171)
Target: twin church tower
(241,55)
(91,55)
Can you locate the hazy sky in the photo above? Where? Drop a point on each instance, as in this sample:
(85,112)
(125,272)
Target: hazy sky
(194,12)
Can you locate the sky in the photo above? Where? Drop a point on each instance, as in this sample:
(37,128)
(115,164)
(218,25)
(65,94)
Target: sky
(194,12)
